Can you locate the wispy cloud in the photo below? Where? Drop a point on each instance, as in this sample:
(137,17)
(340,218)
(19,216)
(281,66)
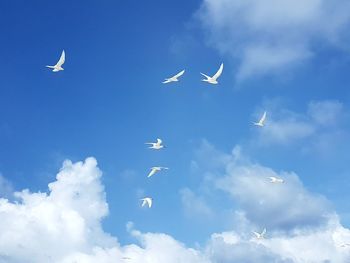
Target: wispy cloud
(284,126)
(194,206)
(6,188)
(266,37)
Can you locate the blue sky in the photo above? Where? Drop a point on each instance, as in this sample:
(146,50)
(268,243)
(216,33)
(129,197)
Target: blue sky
(109,100)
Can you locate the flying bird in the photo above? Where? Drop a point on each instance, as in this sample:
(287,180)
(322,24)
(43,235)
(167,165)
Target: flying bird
(155,145)
(261,122)
(260,235)
(156,169)
(276,180)
(146,200)
(213,79)
(174,78)
(58,66)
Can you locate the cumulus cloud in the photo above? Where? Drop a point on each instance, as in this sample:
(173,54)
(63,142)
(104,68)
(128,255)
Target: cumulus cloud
(69,215)
(248,184)
(268,36)
(315,246)
(64,225)
(301,226)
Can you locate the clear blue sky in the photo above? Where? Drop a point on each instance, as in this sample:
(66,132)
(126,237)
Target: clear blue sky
(110,100)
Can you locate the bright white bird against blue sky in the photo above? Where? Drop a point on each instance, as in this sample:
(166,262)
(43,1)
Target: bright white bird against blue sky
(214,78)
(147,201)
(262,120)
(174,78)
(58,66)
(156,145)
(156,169)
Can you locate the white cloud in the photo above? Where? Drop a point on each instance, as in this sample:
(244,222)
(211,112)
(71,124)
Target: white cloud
(260,201)
(269,36)
(308,246)
(285,131)
(325,112)
(301,226)
(69,215)
(64,225)
(6,188)
(229,247)
(286,127)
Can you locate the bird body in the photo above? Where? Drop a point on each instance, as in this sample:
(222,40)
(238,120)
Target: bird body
(174,78)
(58,66)
(276,180)
(155,145)
(213,79)
(261,122)
(146,201)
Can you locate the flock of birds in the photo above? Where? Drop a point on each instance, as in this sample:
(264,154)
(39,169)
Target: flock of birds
(158,145)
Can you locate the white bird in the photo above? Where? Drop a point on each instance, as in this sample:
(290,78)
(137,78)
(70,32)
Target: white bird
(276,180)
(261,122)
(174,78)
(213,79)
(58,66)
(156,145)
(146,200)
(156,169)
(260,235)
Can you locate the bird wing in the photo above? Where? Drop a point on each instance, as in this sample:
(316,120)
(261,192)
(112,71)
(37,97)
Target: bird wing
(149,202)
(218,73)
(159,141)
(208,77)
(178,74)
(62,59)
(166,81)
(152,172)
(272,178)
(263,118)
(263,232)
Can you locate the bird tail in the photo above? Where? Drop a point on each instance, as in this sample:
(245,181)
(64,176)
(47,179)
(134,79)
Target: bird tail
(50,66)
(205,75)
